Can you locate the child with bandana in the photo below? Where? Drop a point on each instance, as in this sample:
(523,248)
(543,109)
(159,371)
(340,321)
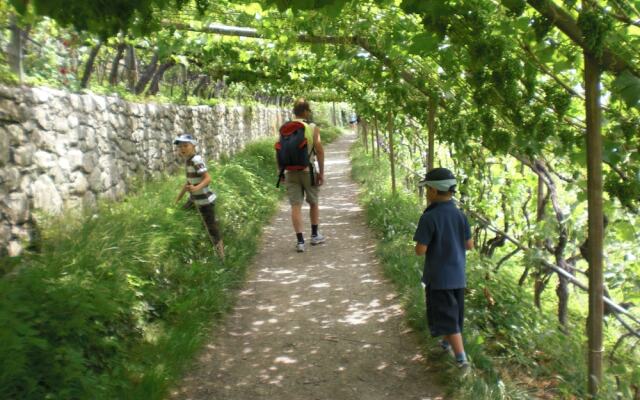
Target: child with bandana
(443,236)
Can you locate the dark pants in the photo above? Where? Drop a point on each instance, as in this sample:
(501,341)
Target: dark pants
(208,214)
(445,311)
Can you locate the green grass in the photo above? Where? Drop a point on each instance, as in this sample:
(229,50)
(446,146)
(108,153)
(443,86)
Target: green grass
(518,351)
(116,303)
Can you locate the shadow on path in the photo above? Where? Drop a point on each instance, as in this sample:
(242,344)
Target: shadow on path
(319,325)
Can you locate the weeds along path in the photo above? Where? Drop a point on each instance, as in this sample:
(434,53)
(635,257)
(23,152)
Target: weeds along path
(319,325)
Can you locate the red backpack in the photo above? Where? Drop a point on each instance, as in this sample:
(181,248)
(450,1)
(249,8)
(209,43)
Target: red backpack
(292,148)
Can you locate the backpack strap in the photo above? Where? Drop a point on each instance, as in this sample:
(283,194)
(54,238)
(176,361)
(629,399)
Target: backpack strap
(280,176)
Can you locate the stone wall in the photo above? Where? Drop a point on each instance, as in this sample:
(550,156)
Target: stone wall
(61,151)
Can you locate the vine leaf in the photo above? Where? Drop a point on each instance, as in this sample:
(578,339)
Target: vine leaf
(628,87)
(424,43)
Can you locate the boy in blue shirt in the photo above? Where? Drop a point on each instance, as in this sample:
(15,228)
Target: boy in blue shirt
(443,236)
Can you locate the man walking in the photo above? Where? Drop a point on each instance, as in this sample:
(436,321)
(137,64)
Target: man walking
(297,151)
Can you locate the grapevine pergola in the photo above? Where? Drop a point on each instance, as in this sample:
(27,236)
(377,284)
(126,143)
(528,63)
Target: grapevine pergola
(555,87)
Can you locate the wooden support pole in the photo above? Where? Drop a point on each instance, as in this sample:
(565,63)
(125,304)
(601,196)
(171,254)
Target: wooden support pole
(431,126)
(377,139)
(373,143)
(363,128)
(15,51)
(592,75)
(333,114)
(392,157)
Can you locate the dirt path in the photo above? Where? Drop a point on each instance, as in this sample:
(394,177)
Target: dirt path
(319,325)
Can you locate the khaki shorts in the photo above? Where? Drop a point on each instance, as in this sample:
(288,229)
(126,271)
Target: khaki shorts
(298,183)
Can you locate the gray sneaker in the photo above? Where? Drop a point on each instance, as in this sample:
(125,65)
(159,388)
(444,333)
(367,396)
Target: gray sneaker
(464,367)
(319,238)
(300,247)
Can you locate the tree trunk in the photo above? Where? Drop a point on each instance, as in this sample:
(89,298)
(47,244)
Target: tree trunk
(373,144)
(377,139)
(202,84)
(431,126)
(562,291)
(15,49)
(185,83)
(147,74)
(334,119)
(154,88)
(88,69)
(592,74)
(131,66)
(392,156)
(365,137)
(115,65)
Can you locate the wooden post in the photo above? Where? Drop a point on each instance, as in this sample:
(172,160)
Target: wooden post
(373,143)
(392,157)
(377,139)
(333,114)
(431,126)
(15,48)
(592,76)
(88,69)
(365,136)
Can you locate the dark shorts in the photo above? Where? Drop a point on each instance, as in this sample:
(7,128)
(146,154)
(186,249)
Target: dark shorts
(445,311)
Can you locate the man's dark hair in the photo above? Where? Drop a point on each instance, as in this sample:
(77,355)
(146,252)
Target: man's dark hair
(300,106)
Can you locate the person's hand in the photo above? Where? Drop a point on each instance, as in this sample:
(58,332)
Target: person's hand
(190,188)
(320,179)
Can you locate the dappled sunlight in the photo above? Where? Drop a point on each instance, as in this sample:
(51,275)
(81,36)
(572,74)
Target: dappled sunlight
(323,324)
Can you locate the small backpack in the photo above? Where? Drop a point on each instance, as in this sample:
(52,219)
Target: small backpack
(292,148)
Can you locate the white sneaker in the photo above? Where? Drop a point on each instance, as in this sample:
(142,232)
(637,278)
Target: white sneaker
(317,239)
(300,247)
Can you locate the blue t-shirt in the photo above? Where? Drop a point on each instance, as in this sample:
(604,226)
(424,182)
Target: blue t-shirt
(444,229)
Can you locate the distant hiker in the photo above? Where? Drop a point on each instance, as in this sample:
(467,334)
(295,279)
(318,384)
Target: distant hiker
(197,185)
(443,236)
(297,150)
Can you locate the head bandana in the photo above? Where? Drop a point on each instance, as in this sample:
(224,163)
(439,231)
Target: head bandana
(442,185)
(440,179)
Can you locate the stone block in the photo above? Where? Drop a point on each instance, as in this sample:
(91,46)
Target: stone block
(14,248)
(23,155)
(89,200)
(41,95)
(43,118)
(73,121)
(45,140)
(17,207)
(95,183)
(10,111)
(10,177)
(45,195)
(44,160)
(76,159)
(5,148)
(61,124)
(79,183)
(16,133)
(89,161)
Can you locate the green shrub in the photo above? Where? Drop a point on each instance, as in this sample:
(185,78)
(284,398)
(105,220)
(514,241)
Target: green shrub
(507,338)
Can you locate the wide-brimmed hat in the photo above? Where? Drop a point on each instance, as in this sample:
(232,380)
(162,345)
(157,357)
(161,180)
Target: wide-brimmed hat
(185,138)
(440,179)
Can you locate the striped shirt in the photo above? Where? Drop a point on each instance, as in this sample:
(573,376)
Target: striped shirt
(196,167)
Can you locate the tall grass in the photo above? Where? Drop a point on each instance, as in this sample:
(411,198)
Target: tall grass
(517,350)
(116,303)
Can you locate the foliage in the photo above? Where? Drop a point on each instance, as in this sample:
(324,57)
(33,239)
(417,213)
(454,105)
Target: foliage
(517,350)
(102,314)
